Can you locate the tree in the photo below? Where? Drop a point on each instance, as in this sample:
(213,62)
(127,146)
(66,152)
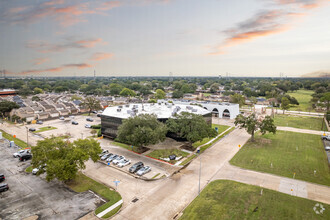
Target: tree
(237,98)
(37,90)
(64,159)
(252,124)
(141,130)
(115,88)
(7,106)
(35,98)
(214,87)
(160,94)
(326,99)
(177,94)
(285,104)
(190,126)
(91,104)
(127,92)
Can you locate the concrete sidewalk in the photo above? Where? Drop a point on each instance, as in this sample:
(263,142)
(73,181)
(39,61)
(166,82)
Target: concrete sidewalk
(299,130)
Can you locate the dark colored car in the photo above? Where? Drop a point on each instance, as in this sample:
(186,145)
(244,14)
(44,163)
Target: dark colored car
(32,129)
(2,177)
(25,157)
(74,123)
(4,187)
(135,167)
(89,119)
(99,115)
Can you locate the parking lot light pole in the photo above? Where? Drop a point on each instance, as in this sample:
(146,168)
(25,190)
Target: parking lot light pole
(27,136)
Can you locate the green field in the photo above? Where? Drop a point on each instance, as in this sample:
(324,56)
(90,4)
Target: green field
(286,153)
(293,121)
(221,128)
(303,97)
(48,128)
(225,199)
(83,183)
(164,153)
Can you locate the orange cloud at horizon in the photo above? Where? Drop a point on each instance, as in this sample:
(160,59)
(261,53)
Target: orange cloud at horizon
(101,56)
(57,69)
(40,61)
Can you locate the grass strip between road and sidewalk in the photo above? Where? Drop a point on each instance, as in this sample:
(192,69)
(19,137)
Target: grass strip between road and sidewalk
(186,161)
(289,154)
(226,199)
(310,123)
(221,128)
(203,148)
(126,146)
(83,183)
(17,141)
(48,128)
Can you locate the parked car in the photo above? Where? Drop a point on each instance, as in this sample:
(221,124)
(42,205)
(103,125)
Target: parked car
(117,160)
(99,115)
(111,158)
(143,170)
(19,153)
(103,152)
(327,148)
(32,129)
(74,123)
(326,137)
(36,170)
(2,177)
(25,157)
(123,163)
(4,187)
(95,112)
(39,122)
(105,156)
(135,167)
(61,118)
(87,126)
(89,119)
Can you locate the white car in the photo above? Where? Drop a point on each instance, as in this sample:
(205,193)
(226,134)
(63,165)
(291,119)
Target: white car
(118,159)
(19,153)
(36,170)
(112,157)
(123,163)
(87,126)
(143,170)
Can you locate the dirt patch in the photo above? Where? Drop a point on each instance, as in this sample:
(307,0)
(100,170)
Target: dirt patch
(260,142)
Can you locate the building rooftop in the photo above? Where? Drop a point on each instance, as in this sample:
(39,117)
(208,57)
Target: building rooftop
(161,110)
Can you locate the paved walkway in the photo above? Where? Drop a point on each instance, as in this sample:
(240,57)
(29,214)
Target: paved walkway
(101,214)
(306,131)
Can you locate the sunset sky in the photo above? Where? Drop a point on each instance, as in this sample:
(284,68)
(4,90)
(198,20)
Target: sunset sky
(156,37)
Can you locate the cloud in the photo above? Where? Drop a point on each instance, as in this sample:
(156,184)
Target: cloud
(40,61)
(101,56)
(57,69)
(45,47)
(262,24)
(105,6)
(306,4)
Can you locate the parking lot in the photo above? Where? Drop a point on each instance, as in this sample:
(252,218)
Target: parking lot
(30,195)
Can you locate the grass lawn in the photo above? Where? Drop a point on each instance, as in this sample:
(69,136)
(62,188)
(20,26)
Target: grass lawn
(299,122)
(289,153)
(188,159)
(126,146)
(48,128)
(17,141)
(164,153)
(83,183)
(207,94)
(221,128)
(303,97)
(225,199)
(29,169)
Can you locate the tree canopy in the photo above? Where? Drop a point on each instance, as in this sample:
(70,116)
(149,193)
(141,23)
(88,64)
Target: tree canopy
(160,94)
(127,92)
(7,106)
(63,159)
(251,124)
(141,130)
(237,98)
(91,104)
(285,104)
(190,126)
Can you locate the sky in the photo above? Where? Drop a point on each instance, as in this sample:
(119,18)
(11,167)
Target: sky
(157,37)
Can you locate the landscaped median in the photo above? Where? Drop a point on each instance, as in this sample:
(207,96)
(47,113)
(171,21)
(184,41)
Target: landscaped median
(17,141)
(83,183)
(165,153)
(48,128)
(225,199)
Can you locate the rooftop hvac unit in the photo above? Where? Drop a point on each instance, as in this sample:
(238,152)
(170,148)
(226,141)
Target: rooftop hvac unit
(194,110)
(120,106)
(129,111)
(119,110)
(126,106)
